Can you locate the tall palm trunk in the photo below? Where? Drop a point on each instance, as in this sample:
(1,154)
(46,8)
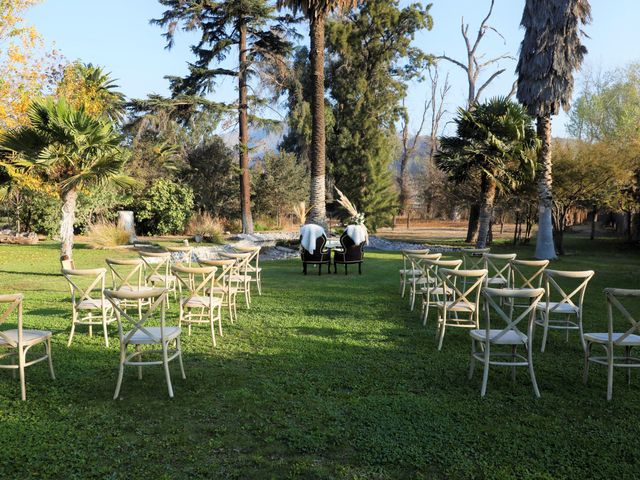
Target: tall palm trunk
(318,212)
(68,219)
(545,248)
(472,226)
(243,140)
(487,199)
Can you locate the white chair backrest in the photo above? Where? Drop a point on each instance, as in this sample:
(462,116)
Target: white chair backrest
(10,303)
(619,303)
(198,281)
(227,267)
(495,301)
(156,263)
(149,301)
(85,283)
(405,256)
(253,250)
(559,282)
(431,268)
(186,253)
(472,258)
(498,265)
(469,295)
(418,260)
(527,273)
(242,260)
(126,272)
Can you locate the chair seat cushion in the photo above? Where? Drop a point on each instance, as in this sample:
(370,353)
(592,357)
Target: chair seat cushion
(510,338)
(604,338)
(410,272)
(29,337)
(135,288)
(200,301)
(240,278)
(557,307)
(496,281)
(224,290)
(434,291)
(453,306)
(141,337)
(93,304)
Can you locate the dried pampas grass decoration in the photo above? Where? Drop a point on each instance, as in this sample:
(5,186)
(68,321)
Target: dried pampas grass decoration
(344,201)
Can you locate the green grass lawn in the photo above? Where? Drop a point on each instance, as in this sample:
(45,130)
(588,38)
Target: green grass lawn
(324,377)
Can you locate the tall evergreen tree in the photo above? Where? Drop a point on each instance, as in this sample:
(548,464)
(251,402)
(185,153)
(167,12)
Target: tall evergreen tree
(250,28)
(371,59)
(550,53)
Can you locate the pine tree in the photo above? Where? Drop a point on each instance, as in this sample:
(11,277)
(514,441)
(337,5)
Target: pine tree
(248,26)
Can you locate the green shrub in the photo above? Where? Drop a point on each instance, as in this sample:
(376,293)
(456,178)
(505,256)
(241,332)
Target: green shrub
(165,208)
(104,235)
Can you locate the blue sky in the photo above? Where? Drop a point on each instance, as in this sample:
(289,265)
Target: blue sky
(117,35)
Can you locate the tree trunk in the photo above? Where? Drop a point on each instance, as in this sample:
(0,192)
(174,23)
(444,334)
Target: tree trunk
(594,221)
(472,228)
(318,211)
(544,241)
(243,147)
(488,195)
(66,225)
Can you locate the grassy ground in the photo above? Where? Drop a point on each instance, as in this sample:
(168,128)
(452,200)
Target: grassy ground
(325,377)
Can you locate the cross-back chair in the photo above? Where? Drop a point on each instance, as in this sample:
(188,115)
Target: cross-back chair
(507,332)
(253,265)
(498,266)
(434,290)
(127,275)
(622,304)
(419,281)
(157,266)
(16,342)
(241,276)
(526,274)
(224,285)
(88,303)
(183,252)
(564,297)
(472,258)
(137,332)
(198,304)
(407,273)
(459,301)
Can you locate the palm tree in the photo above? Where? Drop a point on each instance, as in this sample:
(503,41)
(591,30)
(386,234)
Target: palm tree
(495,139)
(316,12)
(64,147)
(550,52)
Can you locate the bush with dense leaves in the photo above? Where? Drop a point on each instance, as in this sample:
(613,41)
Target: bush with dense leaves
(165,208)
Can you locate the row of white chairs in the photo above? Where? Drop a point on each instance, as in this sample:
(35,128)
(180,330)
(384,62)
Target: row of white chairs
(138,297)
(516,291)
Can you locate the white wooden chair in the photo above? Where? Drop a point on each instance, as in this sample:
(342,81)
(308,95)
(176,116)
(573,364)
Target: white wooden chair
(507,335)
(157,273)
(557,302)
(224,285)
(184,252)
(526,274)
(198,304)
(620,303)
(407,273)
(253,266)
(458,303)
(141,334)
(242,277)
(498,266)
(18,341)
(127,275)
(472,258)
(434,291)
(421,280)
(88,304)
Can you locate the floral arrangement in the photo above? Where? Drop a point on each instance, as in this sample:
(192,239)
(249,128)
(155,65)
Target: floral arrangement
(356,218)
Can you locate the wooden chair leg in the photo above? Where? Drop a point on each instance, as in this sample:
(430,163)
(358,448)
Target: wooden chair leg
(319,269)
(359,268)
(345,268)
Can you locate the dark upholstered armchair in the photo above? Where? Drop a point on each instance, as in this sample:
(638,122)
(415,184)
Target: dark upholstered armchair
(320,256)
(349,253)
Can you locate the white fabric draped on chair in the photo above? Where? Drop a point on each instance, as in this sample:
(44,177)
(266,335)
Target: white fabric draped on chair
(310,233)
